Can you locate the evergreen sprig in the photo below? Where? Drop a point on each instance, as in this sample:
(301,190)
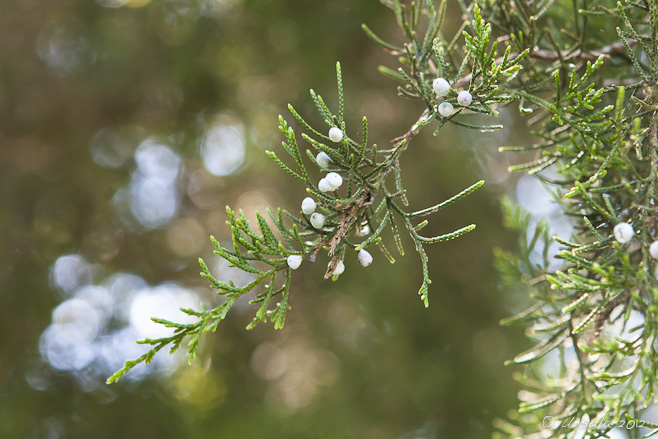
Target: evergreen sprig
(591,91)
(598,311)
(372,199)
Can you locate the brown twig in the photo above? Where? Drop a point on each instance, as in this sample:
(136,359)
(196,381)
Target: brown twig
(350,212)
(415,128)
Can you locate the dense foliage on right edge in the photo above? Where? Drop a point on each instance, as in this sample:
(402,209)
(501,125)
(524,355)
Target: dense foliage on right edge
(590,82)
(585,72)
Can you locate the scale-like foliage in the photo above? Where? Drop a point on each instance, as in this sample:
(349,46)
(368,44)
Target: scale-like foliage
(371,197)
(586,74)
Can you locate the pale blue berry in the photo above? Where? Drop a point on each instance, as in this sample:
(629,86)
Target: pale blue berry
(623,233)
(441,87)
(334,179)
(335,134)
(365,258)
(445,109)
(653,249)
(340,267)
(294,261)
(317,220)
(325,186)
(308,205)
(464,98)
(323,159)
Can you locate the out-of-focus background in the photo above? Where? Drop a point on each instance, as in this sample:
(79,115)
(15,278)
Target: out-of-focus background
(126,127)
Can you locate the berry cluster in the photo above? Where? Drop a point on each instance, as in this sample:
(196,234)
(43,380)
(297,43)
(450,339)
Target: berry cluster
(442,88)
(329,183)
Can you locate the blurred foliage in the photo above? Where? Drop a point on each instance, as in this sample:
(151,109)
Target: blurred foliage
(359,358)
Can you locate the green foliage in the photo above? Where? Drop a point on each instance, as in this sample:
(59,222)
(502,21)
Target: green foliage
(592,92)
(596,121)
(374,198)
(593,101)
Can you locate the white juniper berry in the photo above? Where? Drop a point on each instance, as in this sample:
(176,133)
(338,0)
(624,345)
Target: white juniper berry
(294,261)
(308,205)
(446,109)
(325,186)
(340,268)
(653,249)
(365,258)
(441,87)
(317,220)
(464,98)
(623,232)
(323,160)
(335,134)
(334,179)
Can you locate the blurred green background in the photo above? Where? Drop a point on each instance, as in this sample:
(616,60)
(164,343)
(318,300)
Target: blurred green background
(126,127)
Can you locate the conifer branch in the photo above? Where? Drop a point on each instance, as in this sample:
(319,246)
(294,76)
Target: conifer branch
(269,254)
(593,97)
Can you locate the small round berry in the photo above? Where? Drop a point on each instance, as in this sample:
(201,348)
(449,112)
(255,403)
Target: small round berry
(308,205)
(441,87)
(340,267)
(653,249)
(334,179)
(294,261)
(323,159)
(317,220)
(445,109)
(623,233)
(335,134)
(365,258)
(325,186)
(363,231)
(464,98)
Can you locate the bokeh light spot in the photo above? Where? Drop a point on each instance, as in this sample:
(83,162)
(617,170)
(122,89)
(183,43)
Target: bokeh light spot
(112,148)
(163,301)
(153,202)
(156,160)
(63,50)
(152,198)
(186,237)
(79,318)
(268,361)
(70,272)
(223,146)
(533,196)
(205,190)
(201,388)
(94,331)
